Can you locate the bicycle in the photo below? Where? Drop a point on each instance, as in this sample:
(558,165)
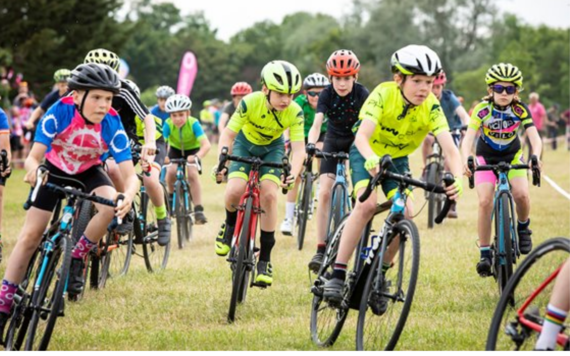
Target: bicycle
(145,226)
(182,199)
(341,204)
(518,318)
(369,290)
(505,247)
(35,312)
(304,205)
(434,172)
(242,256)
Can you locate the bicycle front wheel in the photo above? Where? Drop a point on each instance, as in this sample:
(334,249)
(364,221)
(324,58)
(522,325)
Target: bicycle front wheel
(503,256)
(47,301)
(507,331)
(387,298)
(116,256)
(181,215)
(303,206)
(434,201)
(155,256)
(327,319)
(240,275)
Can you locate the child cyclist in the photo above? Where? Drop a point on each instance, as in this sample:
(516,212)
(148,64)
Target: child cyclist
(394,120)
(238,91)
(256,130)
(159,110)
(313,85)
(4,145)
(184,133)
(72,136)
(498,118)
(340,103)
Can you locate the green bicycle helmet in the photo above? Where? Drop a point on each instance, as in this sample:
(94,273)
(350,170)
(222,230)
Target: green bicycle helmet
(282,77)
(504,72)
(103,56)
(61,75)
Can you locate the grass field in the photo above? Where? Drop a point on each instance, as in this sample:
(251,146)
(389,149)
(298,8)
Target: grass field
(185,307)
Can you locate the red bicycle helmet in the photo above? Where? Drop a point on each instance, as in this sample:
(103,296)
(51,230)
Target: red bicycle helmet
(343,63)
(440,78)
(241,88)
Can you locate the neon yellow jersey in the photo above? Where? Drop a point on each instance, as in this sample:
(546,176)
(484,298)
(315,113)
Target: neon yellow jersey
(261,126)
(395,134)
(206,116)
(140,128)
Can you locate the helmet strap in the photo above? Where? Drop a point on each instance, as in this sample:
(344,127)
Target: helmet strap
(408,102)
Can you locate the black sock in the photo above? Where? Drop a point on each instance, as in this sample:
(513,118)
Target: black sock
(198,208)
(267,241)
(321,248)
(523,225)
(231,217)
(339,271)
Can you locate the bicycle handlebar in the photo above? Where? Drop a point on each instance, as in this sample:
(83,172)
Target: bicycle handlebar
(341,156)
(284,165)
(385,162)
(505,168)
(197,162)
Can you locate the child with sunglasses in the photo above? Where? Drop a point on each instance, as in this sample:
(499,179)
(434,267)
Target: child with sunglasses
(498,118)
(340,102)
(313,85)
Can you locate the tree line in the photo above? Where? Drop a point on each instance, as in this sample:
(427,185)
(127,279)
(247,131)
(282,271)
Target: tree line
(469,35)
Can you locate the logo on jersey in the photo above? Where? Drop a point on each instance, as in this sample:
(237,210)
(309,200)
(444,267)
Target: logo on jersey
(483,113)
(120,141)
(45,129)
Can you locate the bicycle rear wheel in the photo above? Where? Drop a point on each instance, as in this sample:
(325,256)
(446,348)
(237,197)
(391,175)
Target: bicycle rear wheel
(503,256)
(84,212)
(434,201)
(155,256)
(303,206)
(48,299)
(338,209)
(240,275)
(506,332)
(392,293)
(327,320)
(116,256)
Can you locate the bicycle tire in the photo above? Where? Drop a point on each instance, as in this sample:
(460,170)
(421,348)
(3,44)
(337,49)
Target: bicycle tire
(22,313)
(34,341)
(155,256)
(320,309)
(434,205)
(180,214)
(497,328)
(504,270)
(189,214)
(303,213)
(409,230)
(84,213)
(240,272)
(116,256)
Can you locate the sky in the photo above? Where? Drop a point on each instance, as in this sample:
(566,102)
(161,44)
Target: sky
(231,16)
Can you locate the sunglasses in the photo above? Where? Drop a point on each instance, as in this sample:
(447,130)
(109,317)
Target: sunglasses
(313,93)
(498,88)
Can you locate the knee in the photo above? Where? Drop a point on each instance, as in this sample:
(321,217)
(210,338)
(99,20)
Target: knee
(268,197)
(366,209)
(520,196)
(486,203)
(29,241)
(233,195)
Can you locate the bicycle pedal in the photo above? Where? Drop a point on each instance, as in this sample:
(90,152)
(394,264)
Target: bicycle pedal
(260,285)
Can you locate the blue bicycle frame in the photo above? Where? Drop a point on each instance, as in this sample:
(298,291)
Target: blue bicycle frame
(504,188)
(343,203)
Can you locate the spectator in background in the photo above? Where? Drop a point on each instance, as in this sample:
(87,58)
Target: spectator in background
(552,125)
(565,116)
(216,108)
(23,94)
(207,119)
(16,133)
(538,114)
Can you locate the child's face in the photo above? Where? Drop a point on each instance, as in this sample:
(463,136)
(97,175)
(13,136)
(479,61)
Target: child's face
(62,87)
(436,90)
(97,104)
(503,98)
(416,88)
(161,102)
(343,85)
(278,101)
(236,99)
(179,117)
(313,96)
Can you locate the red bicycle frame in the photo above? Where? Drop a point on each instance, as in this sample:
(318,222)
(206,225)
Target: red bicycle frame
(251,190)
(562,339)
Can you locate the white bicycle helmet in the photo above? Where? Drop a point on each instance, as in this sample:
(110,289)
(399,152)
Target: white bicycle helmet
(178,102)
(164,92)
(315,80)
(415,59)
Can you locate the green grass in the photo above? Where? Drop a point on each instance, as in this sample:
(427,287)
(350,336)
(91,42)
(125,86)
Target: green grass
(185,307)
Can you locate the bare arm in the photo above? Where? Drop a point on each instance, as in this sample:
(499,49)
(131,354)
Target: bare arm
(463,115)
(204,147)
(34,159)
(223,121)
(316,128)
(535,141)
(226,140)
(36,115)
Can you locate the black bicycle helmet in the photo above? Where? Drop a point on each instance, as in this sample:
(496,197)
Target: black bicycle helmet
(94,76)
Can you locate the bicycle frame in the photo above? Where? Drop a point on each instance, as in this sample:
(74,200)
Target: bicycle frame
(181,177)
(251,191)
(346,204)
(561,339)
